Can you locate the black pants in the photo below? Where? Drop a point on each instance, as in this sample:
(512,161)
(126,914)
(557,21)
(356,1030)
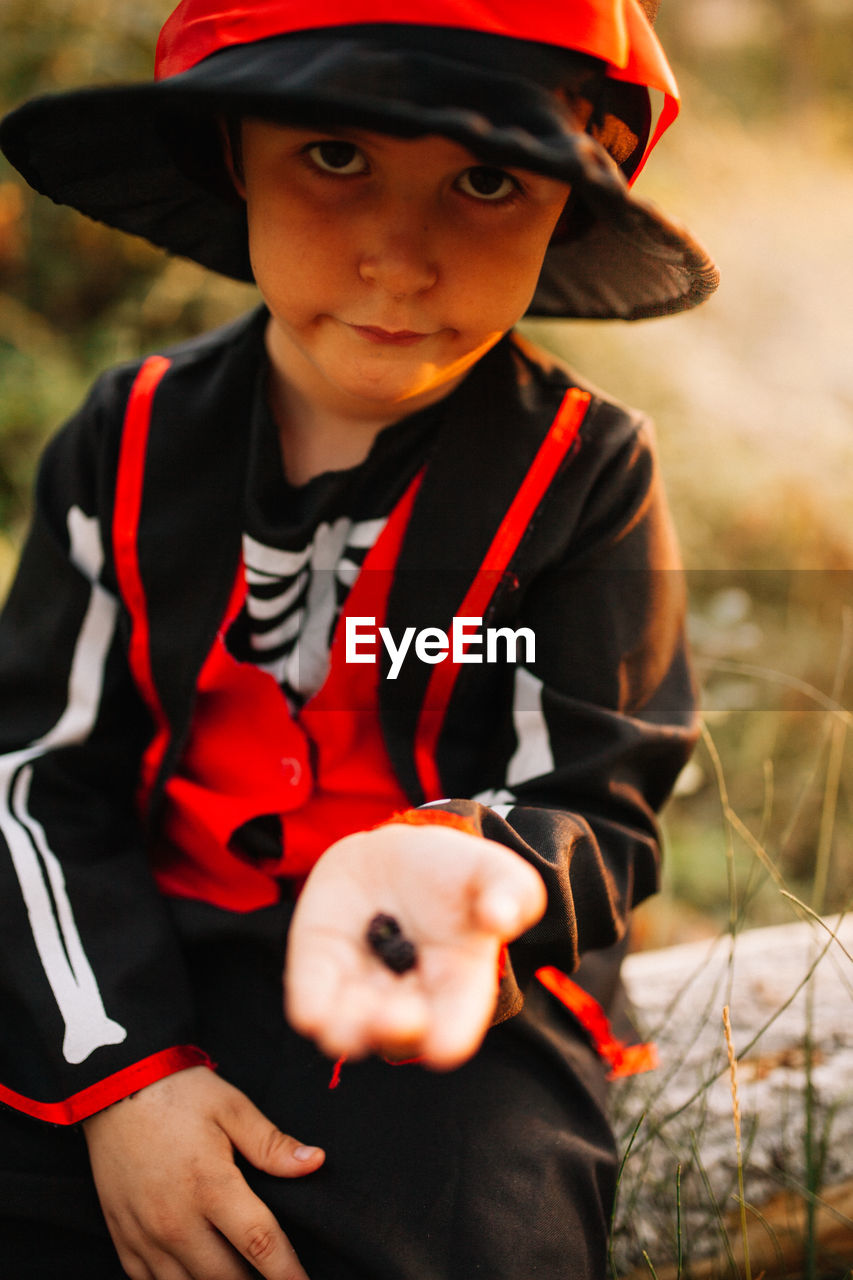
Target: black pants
(502,1169)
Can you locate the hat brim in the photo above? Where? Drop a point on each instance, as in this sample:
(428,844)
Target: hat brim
(146,159)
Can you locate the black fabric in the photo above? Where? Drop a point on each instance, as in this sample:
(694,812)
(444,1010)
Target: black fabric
(147,158)
(504,1168)
(285,515)
(87,787)
(595,574)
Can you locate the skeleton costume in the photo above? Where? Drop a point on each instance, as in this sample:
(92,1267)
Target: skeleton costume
(184,730)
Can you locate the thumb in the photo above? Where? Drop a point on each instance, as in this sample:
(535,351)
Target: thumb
(264,1145)
(511,894)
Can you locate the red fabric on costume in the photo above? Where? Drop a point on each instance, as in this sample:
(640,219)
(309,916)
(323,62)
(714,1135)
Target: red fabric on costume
(128,503)
(432,818)
(616,31)
(624,1059)
(552,452)
(326,772)
(111,1089)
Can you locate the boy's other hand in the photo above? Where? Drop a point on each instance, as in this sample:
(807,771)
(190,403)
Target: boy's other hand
(456,897)
(171,1193)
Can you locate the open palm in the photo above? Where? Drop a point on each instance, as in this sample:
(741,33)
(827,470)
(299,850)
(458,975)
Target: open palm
(457,897)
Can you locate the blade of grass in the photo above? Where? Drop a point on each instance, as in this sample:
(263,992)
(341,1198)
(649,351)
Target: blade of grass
(829,808)
(712,1200)
(679,1240)
(730,1048)
(610,1258)
(813,915)
(717,765)
(816,695)
(833,772)
(777,1013)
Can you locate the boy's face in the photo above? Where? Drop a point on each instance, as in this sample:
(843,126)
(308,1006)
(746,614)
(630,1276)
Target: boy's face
(389,266)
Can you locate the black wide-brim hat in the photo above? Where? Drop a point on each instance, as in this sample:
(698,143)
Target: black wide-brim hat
(148,158)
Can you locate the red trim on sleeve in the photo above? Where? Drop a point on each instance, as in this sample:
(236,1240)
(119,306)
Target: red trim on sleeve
(431,818)
(623,1059)
(554,448)
(103,1094)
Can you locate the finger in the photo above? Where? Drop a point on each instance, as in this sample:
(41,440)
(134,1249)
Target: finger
(133,1245)
(246,1222)
(401,1021)
(263,1144)
(175,1243)
(351,1029)
(376,1012)
(509,895)
(312,981)
(163,1266)
(134,1266)
(462,1003)
(150,1261)
(207,1257)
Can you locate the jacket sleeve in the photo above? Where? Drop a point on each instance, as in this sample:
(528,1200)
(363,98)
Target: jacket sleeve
(94,1001)
(596,727)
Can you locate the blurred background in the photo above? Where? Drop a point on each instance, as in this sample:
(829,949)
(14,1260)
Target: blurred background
(752,395)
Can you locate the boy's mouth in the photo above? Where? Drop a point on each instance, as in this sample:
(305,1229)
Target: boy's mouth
(390,337)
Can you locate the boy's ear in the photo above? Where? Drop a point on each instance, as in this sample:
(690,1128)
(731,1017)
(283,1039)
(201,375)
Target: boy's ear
(230,132)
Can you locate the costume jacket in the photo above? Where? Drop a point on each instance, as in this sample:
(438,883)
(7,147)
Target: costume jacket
(564,757)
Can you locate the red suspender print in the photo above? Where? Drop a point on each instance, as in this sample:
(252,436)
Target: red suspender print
(554,448)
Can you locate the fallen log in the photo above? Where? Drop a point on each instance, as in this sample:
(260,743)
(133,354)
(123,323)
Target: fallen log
(790,994)
(777,1242)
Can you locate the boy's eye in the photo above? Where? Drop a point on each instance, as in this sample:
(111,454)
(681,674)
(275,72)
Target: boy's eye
(485,183)
(337,157)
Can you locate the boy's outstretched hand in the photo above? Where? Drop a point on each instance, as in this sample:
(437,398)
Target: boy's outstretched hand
(176,1204)
(456,897)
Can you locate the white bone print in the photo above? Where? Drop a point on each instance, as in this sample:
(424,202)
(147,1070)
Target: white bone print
(55,932)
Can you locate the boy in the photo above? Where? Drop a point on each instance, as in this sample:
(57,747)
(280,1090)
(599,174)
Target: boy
(360,608)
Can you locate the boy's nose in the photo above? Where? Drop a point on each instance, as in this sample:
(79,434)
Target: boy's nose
(398,257)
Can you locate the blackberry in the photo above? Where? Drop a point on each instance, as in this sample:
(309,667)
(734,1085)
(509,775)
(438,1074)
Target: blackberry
(387,941)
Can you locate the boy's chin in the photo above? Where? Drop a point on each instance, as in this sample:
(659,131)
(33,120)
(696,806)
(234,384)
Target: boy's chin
(385,394)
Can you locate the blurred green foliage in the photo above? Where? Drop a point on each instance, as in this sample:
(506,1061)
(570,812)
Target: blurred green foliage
(74,295)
